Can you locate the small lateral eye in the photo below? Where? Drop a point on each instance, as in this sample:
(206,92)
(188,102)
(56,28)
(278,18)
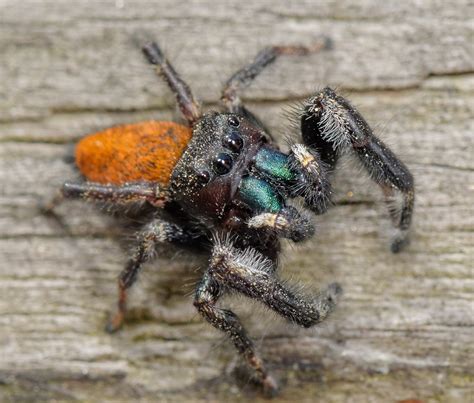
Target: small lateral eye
(222,164)
(233,121)
(203,177)
(233,142)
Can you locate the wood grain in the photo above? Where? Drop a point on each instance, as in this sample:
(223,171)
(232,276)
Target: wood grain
(405,326)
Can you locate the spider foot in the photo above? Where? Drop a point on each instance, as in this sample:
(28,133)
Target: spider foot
(270,387)
(334,291)
(115,323)
(400,242)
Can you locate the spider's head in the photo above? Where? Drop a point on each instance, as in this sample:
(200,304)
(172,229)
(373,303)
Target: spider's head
(207,176)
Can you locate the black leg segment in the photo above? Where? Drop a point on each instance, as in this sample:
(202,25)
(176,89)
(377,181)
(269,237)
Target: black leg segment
(332,126)
(187,104)
(247,74)
(248,272)
(207,295)
(157,231)
(124,195)
(119,194)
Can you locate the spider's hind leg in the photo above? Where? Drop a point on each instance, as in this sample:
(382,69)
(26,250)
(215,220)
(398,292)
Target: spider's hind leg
(331,125)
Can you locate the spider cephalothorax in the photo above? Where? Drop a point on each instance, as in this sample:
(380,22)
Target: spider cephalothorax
(223,174)
(207,177)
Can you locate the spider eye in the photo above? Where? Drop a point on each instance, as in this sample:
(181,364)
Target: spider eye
(203,177)
(233,142)
(222,164)
(233,121)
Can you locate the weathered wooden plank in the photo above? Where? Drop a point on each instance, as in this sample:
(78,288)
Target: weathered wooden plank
(405,326)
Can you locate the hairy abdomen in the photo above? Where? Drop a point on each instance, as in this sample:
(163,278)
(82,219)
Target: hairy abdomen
(145,151)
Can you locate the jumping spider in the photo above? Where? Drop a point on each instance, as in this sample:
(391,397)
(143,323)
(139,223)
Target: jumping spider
(221,182)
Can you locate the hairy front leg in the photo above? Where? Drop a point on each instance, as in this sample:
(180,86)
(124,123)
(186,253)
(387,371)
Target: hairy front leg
(332,126)
(250,273)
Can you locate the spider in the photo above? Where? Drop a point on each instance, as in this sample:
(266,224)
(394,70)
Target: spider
(221,182)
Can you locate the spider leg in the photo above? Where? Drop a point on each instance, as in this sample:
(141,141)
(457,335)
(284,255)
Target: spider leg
(129,193)
(121,194)
(243,77)
(189,107)
(332,126)
(250,273)
(207,294)
(156,232)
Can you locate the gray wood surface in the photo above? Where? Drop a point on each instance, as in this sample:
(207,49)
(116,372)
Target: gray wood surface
(405,326)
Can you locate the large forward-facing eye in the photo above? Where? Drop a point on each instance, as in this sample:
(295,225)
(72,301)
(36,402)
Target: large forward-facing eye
(222,164)
(233,142)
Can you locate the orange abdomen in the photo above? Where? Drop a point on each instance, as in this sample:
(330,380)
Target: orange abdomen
(145,151)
